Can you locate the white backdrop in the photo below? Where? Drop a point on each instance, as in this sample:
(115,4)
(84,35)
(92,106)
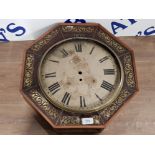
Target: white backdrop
(29,29)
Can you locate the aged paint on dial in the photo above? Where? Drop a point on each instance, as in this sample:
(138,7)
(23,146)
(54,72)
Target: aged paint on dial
(79,75)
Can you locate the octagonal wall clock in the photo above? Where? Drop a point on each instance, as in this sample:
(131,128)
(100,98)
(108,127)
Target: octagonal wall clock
(78,75)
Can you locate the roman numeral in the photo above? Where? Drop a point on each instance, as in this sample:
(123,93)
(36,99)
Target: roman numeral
(98,97)
(50,75)
(106,85)
(78,47)
(66,98)
(82,102)
(92,50)
(104,59)
(54,61)
(109,71)
(64,52)
(54,88)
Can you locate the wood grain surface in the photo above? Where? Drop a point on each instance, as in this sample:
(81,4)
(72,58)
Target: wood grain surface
(136,117)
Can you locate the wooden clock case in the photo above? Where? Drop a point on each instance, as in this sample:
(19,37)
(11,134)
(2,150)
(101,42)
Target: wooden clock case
(56,117)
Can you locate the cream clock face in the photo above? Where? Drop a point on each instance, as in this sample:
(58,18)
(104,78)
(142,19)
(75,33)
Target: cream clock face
(80,75)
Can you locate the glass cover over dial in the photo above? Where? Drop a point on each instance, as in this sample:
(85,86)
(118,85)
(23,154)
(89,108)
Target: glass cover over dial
(80,75)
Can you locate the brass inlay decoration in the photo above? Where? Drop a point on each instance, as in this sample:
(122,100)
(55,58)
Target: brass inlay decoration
(77,29)
(75,120)
(70,120)
(44,104)
(28,70)
(129,71)
(111,42)
(97,120)
(37,46)
(110,110)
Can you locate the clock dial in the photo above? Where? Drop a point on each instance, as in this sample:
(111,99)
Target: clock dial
(80,75)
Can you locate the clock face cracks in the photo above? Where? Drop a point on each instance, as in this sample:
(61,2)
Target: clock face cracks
(80,75)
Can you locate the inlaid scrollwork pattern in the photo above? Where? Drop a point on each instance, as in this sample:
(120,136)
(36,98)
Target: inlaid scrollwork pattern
(97,119)
(87,29)
(44,104)
(57,117)
(128,69)
(111,42)
(37,46)
(110,110)
(75,120)
(28,73)
(70,120)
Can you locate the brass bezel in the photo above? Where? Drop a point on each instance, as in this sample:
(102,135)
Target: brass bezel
(85,111)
